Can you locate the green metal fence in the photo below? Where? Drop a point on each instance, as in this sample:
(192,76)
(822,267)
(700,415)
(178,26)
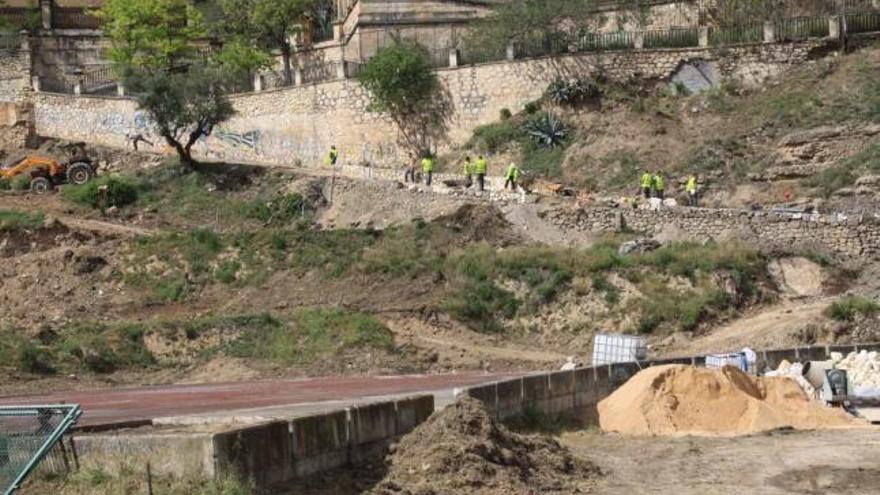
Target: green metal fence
(9,41)
(736,35)
(471,53)
(593,42)
(27,434)
(672,38)
(799,28)
(542,43)
(865,22)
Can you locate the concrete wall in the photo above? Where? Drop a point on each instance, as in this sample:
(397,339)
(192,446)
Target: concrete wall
(284,450)
(574,395)
(178,454)
(853,236)
(299,124)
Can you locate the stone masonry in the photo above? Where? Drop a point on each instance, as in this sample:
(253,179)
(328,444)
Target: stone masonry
(844,237)
(298,125)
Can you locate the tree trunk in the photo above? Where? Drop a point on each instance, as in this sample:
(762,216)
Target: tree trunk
(183,152)
(285,57)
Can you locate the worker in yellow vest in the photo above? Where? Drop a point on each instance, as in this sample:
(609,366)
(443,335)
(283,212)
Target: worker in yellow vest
(480,169)
(691,189)
(332,157)
(659,185)
(468,172)
(428,168)
(647,184)
(512,176)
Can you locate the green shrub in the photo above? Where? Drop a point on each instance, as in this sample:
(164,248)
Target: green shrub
(504,114)
(278,211)
(314,334)
(120,192)
(848,308)
(33,359)
(227,271)
(494,137)
(16,220)
(21,182)
(532,107)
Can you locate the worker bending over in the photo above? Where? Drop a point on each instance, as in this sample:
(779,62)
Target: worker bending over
(468,172)
(512,176)
(333,156)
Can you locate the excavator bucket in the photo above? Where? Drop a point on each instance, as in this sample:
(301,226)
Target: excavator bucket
(27,435)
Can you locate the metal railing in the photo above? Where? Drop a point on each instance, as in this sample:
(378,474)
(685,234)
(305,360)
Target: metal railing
(866,22)
(619,40)
(319,71)
(438,43)
(799,28)
(18,18)
(9,41)
(736,35)
(473,53)
(672,38)
(74,18)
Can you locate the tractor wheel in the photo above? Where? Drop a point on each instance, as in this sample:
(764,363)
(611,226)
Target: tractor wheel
(79,173)
(41,185)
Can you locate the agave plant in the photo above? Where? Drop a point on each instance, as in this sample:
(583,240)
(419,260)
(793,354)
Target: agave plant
(547,129)
(573,91)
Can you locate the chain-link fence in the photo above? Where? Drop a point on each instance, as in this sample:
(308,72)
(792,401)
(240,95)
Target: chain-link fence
(27,435)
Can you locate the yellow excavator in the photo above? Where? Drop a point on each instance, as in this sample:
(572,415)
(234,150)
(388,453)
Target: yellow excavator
(46,172)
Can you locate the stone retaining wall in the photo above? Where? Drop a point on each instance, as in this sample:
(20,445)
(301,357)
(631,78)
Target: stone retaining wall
(286,126)
(574,395)
(848,237)
(15,68)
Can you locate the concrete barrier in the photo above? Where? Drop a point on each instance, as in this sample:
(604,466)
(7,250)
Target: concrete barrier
(574,395)
(281,451)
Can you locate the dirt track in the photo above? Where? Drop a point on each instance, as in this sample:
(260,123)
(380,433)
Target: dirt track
(811,462)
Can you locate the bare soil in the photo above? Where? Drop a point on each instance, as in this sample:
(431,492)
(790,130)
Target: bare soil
(841,462)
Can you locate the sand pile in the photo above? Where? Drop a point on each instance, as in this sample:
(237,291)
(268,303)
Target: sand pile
(669,400)
(463,450)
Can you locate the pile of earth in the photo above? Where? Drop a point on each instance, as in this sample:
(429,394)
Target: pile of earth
(462,449)
(685,400)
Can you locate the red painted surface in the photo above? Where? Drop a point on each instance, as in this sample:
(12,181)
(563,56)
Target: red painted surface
(137,404)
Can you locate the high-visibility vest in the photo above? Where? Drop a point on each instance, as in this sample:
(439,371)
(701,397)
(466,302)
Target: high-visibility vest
(512,172)
(691,186)
(331,158)
(427,165)
(468,168)
(482,166)
(647,180)
(659,182)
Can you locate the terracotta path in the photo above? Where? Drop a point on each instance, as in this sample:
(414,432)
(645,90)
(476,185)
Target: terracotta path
(141,405)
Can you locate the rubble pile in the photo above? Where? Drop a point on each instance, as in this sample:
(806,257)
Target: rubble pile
(862,370)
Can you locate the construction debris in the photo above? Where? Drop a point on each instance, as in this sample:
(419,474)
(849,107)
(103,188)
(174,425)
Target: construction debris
(685,400)
(463,449)
(862,370)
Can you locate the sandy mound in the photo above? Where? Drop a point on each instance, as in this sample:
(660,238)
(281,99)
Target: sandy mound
(463,450)
(668,400)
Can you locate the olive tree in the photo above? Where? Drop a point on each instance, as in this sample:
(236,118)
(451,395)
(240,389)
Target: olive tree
(185,106)
(402,85)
